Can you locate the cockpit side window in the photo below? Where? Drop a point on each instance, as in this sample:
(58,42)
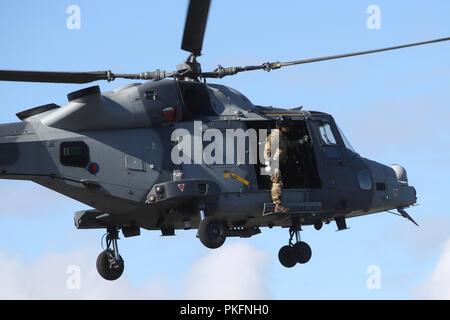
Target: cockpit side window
(328,140)
(326,135)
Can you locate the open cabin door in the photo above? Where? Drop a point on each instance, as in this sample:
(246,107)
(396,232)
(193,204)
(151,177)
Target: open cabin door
(300,172)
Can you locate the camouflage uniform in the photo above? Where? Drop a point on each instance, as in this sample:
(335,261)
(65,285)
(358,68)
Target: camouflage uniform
(281,154)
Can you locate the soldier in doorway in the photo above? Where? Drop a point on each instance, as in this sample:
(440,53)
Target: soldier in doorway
(280,137)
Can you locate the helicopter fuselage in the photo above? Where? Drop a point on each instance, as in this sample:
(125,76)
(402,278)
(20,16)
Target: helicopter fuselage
(114,152)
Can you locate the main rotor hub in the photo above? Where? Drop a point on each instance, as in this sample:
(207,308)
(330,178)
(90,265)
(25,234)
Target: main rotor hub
(189,69)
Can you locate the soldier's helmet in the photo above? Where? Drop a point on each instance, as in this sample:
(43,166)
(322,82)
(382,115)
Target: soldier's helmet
(283,122)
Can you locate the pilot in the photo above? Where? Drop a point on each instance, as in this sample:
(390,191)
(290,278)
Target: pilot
(283,126)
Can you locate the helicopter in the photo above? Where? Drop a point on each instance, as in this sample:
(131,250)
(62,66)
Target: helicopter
(136,155)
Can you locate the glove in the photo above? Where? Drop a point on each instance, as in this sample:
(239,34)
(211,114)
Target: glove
(276,155)
(268,169)
(305,138)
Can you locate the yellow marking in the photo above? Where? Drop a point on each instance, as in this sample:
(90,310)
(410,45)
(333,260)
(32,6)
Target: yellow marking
(240,179)
(227,174)
(285,114)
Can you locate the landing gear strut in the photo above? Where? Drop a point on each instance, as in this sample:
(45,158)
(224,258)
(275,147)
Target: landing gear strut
(298,252)
(110,264)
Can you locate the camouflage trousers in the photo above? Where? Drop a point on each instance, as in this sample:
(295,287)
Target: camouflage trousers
(277,185)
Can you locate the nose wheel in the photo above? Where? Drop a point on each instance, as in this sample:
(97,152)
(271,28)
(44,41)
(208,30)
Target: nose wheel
(298,252)
(110,264)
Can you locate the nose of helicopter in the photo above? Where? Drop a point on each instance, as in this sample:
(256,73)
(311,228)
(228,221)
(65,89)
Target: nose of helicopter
(405,193)
(400,173)
(414,200)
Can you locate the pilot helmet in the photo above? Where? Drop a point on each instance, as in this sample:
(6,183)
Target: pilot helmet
(283,121)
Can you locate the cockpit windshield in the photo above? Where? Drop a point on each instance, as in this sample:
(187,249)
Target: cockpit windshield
(346,142)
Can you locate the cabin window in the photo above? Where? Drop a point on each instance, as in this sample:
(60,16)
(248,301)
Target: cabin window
(74,154)
(364,179)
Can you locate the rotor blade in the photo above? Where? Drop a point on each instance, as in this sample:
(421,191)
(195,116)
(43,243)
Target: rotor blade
(222,72)
(363,52)
(195,25)
(78,77)
(54,77)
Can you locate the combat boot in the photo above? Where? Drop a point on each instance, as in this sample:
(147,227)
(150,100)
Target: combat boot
(280,208)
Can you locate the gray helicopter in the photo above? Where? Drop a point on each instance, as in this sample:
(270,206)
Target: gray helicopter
(135,155)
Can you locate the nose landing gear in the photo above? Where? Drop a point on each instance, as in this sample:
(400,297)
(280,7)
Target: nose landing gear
(110,264)
(298,252)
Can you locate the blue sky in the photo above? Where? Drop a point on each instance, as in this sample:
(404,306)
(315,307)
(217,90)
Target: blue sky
(393,107)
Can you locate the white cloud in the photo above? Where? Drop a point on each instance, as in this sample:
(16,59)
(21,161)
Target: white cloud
(437,285)
(235,271)
(47,276)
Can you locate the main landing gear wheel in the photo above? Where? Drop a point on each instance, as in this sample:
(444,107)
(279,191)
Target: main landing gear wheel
(212,233)
(110,264)
(287,256)
(300,252)
(303,252)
